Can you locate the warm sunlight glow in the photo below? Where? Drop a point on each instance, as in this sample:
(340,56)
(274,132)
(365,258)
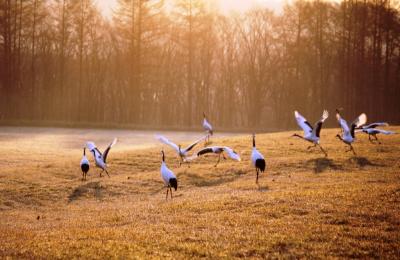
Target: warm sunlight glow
(242,6)
(106,7)
(226,7)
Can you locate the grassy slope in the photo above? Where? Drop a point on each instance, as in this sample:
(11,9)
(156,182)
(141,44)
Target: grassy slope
(308,205)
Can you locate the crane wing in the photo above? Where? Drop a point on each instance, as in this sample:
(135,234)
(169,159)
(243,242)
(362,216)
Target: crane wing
(92,147)
(231,153)
(164,140)
(108,149)
(373,125)
(199,153)
(303,123)
(358,122)
(190,147)
(342,123)
(385,132)
(318,125)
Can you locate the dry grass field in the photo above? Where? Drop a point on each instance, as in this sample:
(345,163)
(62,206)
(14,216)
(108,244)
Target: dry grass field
(342,206)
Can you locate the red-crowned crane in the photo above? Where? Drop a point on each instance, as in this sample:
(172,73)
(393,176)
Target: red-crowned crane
(181,152)
(207,127)
(311,134)
(220,150)
(84,164)
(371,130)
(348,134)
(257,159)
(100,158)
(168,176)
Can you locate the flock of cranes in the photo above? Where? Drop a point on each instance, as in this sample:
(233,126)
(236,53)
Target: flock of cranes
(348,134)
(311,134)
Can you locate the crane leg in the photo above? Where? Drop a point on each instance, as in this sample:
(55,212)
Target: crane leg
(101,173)
(322,149)
(352,149)
(257,176)
(376,138)
(107,174)
(219,159)
(166,197)
(170,191)
(311,146)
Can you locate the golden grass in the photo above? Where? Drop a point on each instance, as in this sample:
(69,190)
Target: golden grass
(308,205)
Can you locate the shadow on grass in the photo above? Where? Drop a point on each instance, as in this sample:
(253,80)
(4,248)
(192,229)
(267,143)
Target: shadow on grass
(163,190)
(322,164)
(363,161)
(263,188)
(91,187)
(200,181)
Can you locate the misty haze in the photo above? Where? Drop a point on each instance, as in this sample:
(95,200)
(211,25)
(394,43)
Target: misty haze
(181,129)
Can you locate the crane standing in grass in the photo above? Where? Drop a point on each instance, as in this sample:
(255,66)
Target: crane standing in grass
(168,176)
(84,165)
(257,159)
(207,127)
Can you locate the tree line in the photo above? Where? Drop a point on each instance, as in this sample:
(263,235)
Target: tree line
(164,63)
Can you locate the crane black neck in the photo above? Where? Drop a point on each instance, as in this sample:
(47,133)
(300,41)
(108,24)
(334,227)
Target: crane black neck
(84,150)
(163,157)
